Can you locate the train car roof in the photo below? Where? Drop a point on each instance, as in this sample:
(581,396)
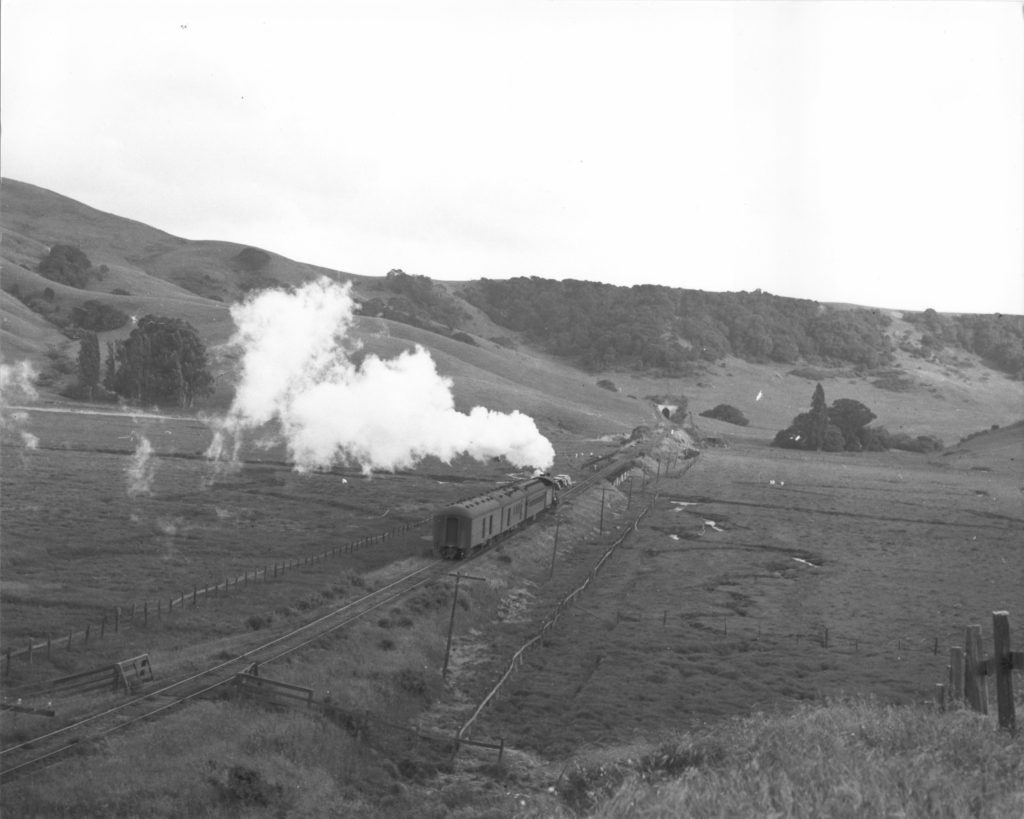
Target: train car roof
(494,499)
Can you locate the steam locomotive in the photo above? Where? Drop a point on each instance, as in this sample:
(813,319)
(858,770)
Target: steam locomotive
(472,524)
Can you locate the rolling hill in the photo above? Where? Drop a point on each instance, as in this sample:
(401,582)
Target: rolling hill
(505,354)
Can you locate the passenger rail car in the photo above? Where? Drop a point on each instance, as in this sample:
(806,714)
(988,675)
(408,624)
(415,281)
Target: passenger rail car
(467,526)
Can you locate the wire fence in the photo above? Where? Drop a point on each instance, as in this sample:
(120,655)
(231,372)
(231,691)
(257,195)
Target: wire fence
(138,614)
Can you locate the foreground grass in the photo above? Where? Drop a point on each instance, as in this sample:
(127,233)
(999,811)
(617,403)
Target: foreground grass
(848,759)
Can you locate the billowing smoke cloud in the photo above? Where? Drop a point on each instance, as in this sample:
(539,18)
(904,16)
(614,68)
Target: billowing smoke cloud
(381,414)
(141,469)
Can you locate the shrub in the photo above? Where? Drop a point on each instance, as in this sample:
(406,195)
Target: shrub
(465,338)
(727,413)
(259,621)
(96,316)
(606,384)
(875,439)
(246,787)
(922,444)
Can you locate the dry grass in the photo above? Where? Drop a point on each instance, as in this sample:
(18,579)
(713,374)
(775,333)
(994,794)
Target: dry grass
(844,759)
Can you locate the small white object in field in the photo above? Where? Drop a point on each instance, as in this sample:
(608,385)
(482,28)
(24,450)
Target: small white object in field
(805,562)
(760,395)
(674,537)
(713,525)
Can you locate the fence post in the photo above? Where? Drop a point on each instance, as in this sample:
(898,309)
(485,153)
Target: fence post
(1002,659)
(29,651)
(940,696)
(117,619)
(975,691)
(47,645)
(145,613)
(956,675)
(87,627)
(7,671)
(195,595)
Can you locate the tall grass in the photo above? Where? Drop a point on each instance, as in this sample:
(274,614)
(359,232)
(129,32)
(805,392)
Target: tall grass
(846,759)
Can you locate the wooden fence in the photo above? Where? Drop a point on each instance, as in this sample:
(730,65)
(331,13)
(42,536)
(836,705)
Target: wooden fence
(968,671)
(124,675)
(139,614)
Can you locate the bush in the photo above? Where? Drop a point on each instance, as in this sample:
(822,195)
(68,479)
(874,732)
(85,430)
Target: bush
(727,413)
(875,439)
(96,316)
(922,444)
(606,384)
(465,338)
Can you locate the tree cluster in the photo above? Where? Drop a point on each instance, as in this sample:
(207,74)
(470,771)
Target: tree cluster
(843,426)
(997,338)
(603,326)
(163,361)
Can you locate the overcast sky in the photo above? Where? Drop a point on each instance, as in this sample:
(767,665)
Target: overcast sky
(859,152)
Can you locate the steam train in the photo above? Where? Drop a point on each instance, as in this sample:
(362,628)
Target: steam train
(470,525)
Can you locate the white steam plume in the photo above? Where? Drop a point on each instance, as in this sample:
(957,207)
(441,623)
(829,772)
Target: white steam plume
(17,384)
(141,469)
(381,414)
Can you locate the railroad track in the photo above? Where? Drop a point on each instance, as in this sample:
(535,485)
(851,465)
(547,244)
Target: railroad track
(40,751)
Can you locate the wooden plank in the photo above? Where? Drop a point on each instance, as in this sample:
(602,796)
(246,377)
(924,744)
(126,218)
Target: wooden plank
(134,671)
(273,690)
(1003,658)
(975,691)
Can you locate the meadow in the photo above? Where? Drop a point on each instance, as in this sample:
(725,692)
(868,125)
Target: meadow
(763,578)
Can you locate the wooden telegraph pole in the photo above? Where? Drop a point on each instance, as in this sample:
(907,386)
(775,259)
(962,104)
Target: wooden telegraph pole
(451,621)
(554,547)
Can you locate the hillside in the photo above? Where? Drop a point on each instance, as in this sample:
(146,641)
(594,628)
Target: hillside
(520,344)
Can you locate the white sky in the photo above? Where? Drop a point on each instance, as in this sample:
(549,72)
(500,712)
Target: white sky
(861,152)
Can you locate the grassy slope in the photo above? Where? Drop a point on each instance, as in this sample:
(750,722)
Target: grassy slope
(850,758)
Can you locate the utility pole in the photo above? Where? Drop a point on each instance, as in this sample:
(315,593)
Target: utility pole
(554,547)
(451,620)
(602,509)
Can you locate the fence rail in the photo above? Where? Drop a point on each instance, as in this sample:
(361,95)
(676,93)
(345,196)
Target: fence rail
(124,675)
(139,614)
(968,671)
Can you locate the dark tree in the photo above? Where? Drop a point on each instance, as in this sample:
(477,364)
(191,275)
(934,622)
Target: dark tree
(163,361)
(850,417)
(89,364)
(818,420)
(66,264)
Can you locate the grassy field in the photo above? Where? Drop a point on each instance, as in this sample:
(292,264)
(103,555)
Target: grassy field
(721,601)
